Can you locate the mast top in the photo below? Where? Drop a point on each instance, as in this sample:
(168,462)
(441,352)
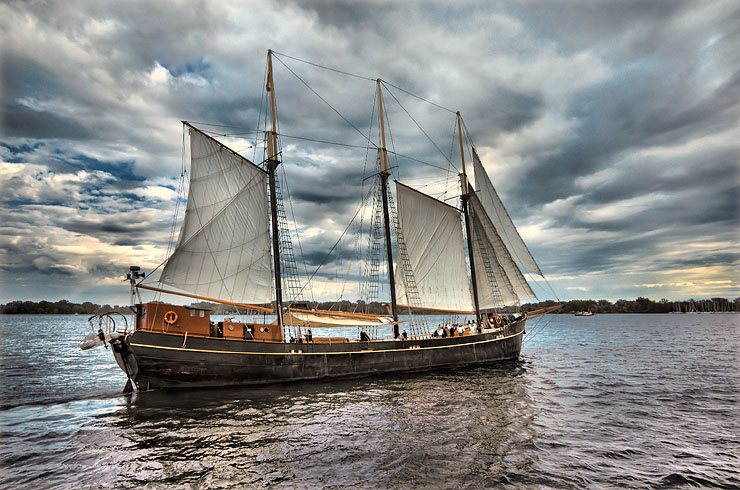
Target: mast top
(382,149)
(463,175)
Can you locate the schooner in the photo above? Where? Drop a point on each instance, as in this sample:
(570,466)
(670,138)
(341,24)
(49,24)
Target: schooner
(455,260)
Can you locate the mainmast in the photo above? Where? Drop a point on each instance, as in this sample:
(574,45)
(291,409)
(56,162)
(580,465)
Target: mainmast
(383,154)
(466,213)
(272,163)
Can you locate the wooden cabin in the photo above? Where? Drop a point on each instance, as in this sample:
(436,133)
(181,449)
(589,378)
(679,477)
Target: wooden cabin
(176,319)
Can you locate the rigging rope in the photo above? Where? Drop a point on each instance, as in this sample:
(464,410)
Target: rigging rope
(419,126)
(362,216)
(449,165)
(323,262)
(324,67)
(418,97)
(412,158)
(322,99)
(325,142)
(537,332)
(295,227)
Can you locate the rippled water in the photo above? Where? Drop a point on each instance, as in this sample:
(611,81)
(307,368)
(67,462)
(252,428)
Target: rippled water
(605,401)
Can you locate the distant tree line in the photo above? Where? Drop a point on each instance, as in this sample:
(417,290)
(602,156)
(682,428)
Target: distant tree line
(639,305)
(62,307)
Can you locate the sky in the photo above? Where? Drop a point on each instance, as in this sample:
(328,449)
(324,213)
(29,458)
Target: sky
(610,129)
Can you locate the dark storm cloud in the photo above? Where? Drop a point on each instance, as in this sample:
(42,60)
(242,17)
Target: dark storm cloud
(607,127)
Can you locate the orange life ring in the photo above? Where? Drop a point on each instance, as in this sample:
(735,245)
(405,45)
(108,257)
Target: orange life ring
(498,320)
(170,317)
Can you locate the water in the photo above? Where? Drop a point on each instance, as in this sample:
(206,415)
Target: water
(604,401)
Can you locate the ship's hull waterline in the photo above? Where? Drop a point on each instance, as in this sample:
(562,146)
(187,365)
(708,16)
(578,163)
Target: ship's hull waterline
(156,360)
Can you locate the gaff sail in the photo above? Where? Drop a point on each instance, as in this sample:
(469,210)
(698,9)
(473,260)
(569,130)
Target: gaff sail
(499,280)
(500,218)
(433,237)
(223,250)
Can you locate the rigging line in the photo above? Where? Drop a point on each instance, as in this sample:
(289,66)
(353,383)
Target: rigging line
(467,133)
(327,142)
(412,158)
(449,165)
(360,207)
(362,185)
(534,279)
(530,337)
(418,126)
(322,99)
(362,78)
(304,138)
(325,67)
(295,227)
(227,126)
(393,144)
(418,97)
(180,191)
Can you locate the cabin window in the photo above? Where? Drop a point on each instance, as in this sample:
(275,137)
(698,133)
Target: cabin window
(192,312)
(202,313)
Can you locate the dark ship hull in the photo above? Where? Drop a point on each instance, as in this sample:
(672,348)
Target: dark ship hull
(159,360)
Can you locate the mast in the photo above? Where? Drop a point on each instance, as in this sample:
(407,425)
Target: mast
(466,213)
(272,163)
(383,154)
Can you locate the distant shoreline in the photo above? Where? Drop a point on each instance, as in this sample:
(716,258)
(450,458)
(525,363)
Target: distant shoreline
(639,305)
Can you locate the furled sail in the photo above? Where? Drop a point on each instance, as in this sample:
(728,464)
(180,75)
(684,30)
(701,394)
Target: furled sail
(499,280)
(432,234)
(326,319)
(501,219)
(223,250)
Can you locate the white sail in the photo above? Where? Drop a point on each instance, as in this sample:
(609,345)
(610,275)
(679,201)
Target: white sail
(499,280)
(501,219)
(223,250)
(432,233)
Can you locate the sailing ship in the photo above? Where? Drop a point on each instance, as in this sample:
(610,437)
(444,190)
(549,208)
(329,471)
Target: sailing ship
(454,260)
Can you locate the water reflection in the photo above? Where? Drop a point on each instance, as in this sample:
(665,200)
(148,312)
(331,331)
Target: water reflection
(418,429)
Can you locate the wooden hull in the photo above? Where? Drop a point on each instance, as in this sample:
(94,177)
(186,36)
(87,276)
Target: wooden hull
(158,360)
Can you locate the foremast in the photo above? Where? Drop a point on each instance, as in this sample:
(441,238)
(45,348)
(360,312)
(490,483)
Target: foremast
(383,156)
(465,195)
(272,164)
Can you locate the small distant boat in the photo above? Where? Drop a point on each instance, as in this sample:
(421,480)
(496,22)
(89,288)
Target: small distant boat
(584,313)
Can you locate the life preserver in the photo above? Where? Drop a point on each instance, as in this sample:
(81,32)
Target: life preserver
(497,319)
(170,317)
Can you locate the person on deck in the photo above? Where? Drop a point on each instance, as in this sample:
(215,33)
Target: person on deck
(364,337)
(405,335)
(309,336)
(446,332)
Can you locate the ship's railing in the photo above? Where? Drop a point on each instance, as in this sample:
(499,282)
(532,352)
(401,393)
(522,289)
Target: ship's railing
(107,322)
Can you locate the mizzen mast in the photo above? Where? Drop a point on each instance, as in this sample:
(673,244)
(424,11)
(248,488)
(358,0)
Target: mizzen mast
(383,154)
(272,164)
(465,199)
